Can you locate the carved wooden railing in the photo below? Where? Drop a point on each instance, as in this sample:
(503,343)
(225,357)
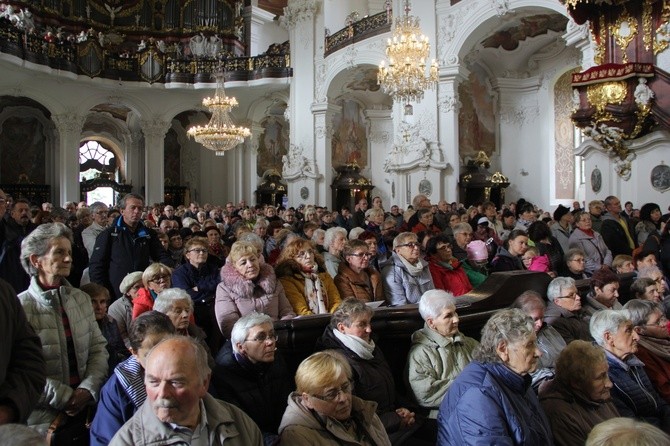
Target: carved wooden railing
(363,29)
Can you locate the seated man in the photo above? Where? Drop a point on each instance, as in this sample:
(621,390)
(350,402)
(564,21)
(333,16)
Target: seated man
(250,374)
(564,310)
(578,397)
(633,393)
(178,405)
(439,352)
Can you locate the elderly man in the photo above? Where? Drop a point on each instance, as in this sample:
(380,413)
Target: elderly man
(12,231)
(578,397)
(358,217)
(250,374)
(126,246)
(169,214)
(178,406)
(439,351)
(633,393)
(596,208)
(563,311)
(617,233)
(99,212)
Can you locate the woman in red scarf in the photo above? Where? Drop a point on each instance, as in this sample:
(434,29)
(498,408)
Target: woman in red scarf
(596,252)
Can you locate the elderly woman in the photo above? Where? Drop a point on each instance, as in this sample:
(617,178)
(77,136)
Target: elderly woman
(549,340)
(653,347)
(333,242)
(646,289)
(322,411)
(649,226)
(491,401)
(122,309)
(215,245)
(462,236)
(604,293)
(124,391)
(406,276)
(446,271)
(578,397)
(248,286)
(302,273)
(250,373)
(425,222)
(355,278)
(574,267)
(156,278)
(596,252)
(564,310)
(626,431)
(509,255)
(439,352)
(199,278)
(62,316)
(349,333)
(633,393)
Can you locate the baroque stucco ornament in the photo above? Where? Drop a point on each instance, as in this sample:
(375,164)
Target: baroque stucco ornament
(412,150)
(297,11)
(296,165)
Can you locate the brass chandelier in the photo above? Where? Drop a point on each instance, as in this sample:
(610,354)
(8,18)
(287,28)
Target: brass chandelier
(220,134)
(405,79)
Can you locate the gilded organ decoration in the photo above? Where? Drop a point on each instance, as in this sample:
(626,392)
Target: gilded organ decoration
(624,31)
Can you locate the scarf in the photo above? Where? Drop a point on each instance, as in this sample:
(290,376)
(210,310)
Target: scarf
(315,293)
(658,347)
(131,376)
(413,270)
(359,346)
(588,232)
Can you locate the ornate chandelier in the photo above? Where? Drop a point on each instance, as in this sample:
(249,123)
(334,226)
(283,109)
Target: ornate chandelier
(405,79)
(220,134)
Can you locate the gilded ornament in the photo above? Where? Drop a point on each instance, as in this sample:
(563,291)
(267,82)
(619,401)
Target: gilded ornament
(600,95)
(646,25)
(624,31)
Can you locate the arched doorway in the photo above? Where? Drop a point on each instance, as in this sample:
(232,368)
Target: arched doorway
(99,175)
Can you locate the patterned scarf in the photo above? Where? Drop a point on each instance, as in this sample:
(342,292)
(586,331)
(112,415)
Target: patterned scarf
(315,292)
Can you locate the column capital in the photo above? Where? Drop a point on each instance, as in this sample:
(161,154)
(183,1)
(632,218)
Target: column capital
(154,128)
(298,11)
(68,122)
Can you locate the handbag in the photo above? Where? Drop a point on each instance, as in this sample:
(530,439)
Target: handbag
(70,431)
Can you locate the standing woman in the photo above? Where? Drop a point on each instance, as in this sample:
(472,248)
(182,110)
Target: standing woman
(309,288)
(509,255)
(62,316)
(596,252)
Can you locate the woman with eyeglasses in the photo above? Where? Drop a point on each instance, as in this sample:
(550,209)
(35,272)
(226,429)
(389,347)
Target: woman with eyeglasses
(251,374)
(355,277)
(155,279)
(406,275)
(199,278)
(322,411)
(349,333)
(302,273)
(445,269)
(247,285)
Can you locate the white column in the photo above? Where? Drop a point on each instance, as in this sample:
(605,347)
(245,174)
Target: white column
(380,140)
(154,153)
(448,130)
(69,127)
(323,153)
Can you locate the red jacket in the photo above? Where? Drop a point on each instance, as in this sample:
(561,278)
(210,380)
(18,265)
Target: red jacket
(451,279)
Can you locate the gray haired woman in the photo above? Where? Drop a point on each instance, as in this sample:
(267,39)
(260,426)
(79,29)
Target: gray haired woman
(492,398)
(334,242)
(406,275)
(62,316)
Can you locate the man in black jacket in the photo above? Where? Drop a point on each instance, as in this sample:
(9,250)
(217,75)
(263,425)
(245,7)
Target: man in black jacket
(126,246)
(12,231)
(616,231)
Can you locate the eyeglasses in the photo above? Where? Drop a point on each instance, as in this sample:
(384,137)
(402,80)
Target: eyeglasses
(264,337)
(580,260)
(444,247)
(305,254)
(102,213)
(361,254)
(570,296)
(158,279)
(332,395)
(410,245)
(197,250)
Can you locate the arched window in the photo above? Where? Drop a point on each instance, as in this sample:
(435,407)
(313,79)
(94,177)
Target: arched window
(97,163)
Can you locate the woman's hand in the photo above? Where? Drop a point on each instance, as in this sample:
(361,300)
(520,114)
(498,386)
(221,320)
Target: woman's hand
(80,398)
(406,417)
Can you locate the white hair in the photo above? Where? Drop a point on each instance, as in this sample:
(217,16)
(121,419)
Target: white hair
(433,302)
(241,328)
(606,321)
(556,287)
(331,233)
(167,298)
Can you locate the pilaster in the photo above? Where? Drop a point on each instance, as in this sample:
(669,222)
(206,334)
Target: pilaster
(69,125)
(448,131)
(154,154)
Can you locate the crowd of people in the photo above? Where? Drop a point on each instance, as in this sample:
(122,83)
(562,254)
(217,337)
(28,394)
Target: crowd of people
(150,323)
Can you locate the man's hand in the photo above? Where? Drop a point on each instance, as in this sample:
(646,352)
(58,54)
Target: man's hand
(80,398)
(406,417)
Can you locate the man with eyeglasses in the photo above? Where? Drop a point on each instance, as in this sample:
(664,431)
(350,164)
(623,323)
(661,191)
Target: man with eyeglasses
(178,408)
(126,246)
(251,374)
(99,212)
(564,310)
(169,214)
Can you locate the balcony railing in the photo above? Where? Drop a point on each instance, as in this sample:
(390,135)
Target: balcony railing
(363,29)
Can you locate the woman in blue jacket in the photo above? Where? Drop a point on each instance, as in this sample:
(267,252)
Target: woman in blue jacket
(124,391)
(491,401)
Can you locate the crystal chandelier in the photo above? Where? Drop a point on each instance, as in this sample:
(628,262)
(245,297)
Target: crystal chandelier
(405,79)
(220,134)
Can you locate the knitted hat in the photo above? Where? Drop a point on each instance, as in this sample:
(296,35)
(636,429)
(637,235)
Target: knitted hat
(130,280)
(560,212)
(476,250)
